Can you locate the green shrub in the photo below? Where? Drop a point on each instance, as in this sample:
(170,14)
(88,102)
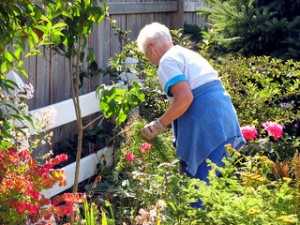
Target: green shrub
(262,88)
(255,27)
(246,193)
(251,189)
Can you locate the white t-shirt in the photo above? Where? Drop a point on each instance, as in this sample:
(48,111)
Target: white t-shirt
(181,64)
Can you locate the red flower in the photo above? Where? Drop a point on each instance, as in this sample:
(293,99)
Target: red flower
(25,154)
(129,156)
(12,151)
(145,147)
(35,194)
(23,206)
(274,129)
(62,157)
(249,132)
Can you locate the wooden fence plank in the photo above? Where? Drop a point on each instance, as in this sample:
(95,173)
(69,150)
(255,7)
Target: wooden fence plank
(193,6)
(141,7)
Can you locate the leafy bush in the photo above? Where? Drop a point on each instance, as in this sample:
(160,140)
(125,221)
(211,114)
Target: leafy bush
(146,173)
(246,193)
(256,27)
(262,88)
(251,188)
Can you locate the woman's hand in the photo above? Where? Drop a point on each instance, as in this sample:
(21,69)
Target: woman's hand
(151,130)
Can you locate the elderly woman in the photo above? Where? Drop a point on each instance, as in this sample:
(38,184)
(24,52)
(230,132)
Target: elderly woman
(201,112)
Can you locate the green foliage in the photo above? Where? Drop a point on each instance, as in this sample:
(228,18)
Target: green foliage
(262,88)
(79,16)
(117,103)
(164,152)
(248,190)
(254,27)
(155,102)
(245,194)
(179,37)
(195,32)
(23,26)
(118,64)
(152,175)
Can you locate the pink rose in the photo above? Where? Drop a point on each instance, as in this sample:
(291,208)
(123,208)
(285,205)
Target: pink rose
(274,129)
(129,156)
(249,132)
(145,147)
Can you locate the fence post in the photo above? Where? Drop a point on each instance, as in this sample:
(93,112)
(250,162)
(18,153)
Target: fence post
(180,14)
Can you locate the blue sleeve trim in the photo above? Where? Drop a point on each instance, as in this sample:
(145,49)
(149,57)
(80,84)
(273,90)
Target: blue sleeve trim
(173,81)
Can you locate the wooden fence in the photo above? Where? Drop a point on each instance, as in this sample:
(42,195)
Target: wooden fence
(49,73)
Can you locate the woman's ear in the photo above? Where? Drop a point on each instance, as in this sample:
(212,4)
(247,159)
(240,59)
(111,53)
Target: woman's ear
(151,47)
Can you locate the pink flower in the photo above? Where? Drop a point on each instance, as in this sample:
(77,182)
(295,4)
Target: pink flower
(129,156)
(274,129)
(145,147)
(249,132)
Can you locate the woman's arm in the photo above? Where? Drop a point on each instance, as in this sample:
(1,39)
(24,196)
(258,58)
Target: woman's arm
(182,99)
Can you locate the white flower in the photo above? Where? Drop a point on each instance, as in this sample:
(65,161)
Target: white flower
(142,211)
(153,214)
(50,116)
(160,205)
(43,120)
(26,91)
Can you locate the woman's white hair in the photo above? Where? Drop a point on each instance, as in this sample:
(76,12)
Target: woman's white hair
(154,33)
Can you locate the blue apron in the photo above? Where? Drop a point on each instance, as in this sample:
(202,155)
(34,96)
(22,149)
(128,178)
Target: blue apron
(209,122)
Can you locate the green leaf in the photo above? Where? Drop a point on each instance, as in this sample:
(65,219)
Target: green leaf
(91,55)
(5,66)
(59,25)
(12,107)
(104,220)
(92,215)
(18,51)
(35,37)
(67,14)
(8,56)
(21,70)
(33,52)
(86,212)
(121,117)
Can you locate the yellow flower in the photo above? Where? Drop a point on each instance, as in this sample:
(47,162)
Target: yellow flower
(285,219)
(253,211)
(232,150)
(253,178)
(287,179)
(266,160)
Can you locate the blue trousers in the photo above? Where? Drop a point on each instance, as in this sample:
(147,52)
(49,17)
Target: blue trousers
(202,173)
